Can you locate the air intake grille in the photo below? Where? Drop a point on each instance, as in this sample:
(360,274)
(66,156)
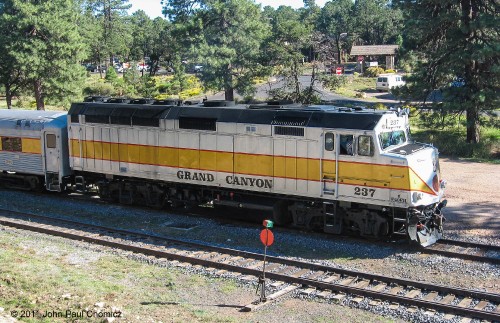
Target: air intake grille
(289,131)
(198,123)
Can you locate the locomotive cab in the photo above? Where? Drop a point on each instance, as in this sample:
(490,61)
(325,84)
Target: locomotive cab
(417,185)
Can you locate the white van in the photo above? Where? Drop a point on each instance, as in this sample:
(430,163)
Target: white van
(385,82)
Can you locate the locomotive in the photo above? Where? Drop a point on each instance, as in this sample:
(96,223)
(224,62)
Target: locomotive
(318,167)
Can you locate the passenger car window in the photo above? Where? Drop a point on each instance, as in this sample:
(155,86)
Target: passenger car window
(50,141)
(329,141)
(11,144)
(365,146)
(346,145)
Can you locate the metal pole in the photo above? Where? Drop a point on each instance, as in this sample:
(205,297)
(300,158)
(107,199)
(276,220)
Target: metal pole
(262,279)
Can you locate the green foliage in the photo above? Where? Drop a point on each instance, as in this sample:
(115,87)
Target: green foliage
(45,48)
(379,106)
(224,36)
(333,82)
(111,75)
(376,22)
(337,22)
(99,88)
(389,71)
(25,102)
(447,132)
(455,40)
(373,71)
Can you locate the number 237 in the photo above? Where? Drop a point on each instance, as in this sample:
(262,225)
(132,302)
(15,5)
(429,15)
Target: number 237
(364,191)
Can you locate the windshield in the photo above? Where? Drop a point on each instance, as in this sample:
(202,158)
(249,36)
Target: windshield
(393,138)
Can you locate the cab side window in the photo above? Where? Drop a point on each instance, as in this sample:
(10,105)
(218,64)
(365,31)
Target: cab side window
(365,146)
(346,145)
(329,141)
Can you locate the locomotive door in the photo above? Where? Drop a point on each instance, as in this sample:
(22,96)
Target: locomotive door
(329,164)
(51,152)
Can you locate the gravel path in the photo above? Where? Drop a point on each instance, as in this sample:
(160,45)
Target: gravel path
(473,200)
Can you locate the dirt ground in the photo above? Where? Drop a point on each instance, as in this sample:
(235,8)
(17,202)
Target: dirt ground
(473,194)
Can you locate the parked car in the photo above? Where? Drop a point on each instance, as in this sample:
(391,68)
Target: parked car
(385,82)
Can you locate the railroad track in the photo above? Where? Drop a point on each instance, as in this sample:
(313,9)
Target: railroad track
(465,250)
(310,278)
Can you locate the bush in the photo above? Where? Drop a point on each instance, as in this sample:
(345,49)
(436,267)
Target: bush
(99,88)
(25,102)
(379,106)
(373,71)
(333,82)
(389,71)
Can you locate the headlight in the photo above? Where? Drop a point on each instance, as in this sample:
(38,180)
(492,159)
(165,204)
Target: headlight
(435,183)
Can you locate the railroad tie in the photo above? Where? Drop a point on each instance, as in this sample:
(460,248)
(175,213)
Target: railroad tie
(395,291)
(270,298)
(246,262)
(272,267)
(324,294)
(277,284)
(258,264)
(300,273)
(315,275)
(412,294)
(347,281)
(331,278)
(463,303)
(284,269)
(430,297)
(362,284)
(307,291)
(220,257)
(377,288)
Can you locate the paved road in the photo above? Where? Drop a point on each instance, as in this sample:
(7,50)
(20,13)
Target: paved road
(305,80)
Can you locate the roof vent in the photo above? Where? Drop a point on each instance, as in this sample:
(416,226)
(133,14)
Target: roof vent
(118,100)
(167,102)
(141,101)
(96,98)
(218,103)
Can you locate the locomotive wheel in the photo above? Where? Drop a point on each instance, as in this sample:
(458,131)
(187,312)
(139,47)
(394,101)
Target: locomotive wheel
(281,216)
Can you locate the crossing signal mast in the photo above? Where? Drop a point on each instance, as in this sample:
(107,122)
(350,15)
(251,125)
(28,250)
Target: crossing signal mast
(267,238)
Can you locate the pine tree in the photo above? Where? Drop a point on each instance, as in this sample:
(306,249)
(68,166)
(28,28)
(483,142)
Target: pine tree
(44,43)
(459,42)
(225,36)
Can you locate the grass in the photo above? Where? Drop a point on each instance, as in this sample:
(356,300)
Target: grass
(355,85)
(448,133)
(39,276)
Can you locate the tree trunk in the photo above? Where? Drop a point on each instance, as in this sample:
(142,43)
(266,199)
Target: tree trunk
(8,96)
(228,87)
(37,87)
(469,13)
(337,41)
(473,124)
(229,93)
